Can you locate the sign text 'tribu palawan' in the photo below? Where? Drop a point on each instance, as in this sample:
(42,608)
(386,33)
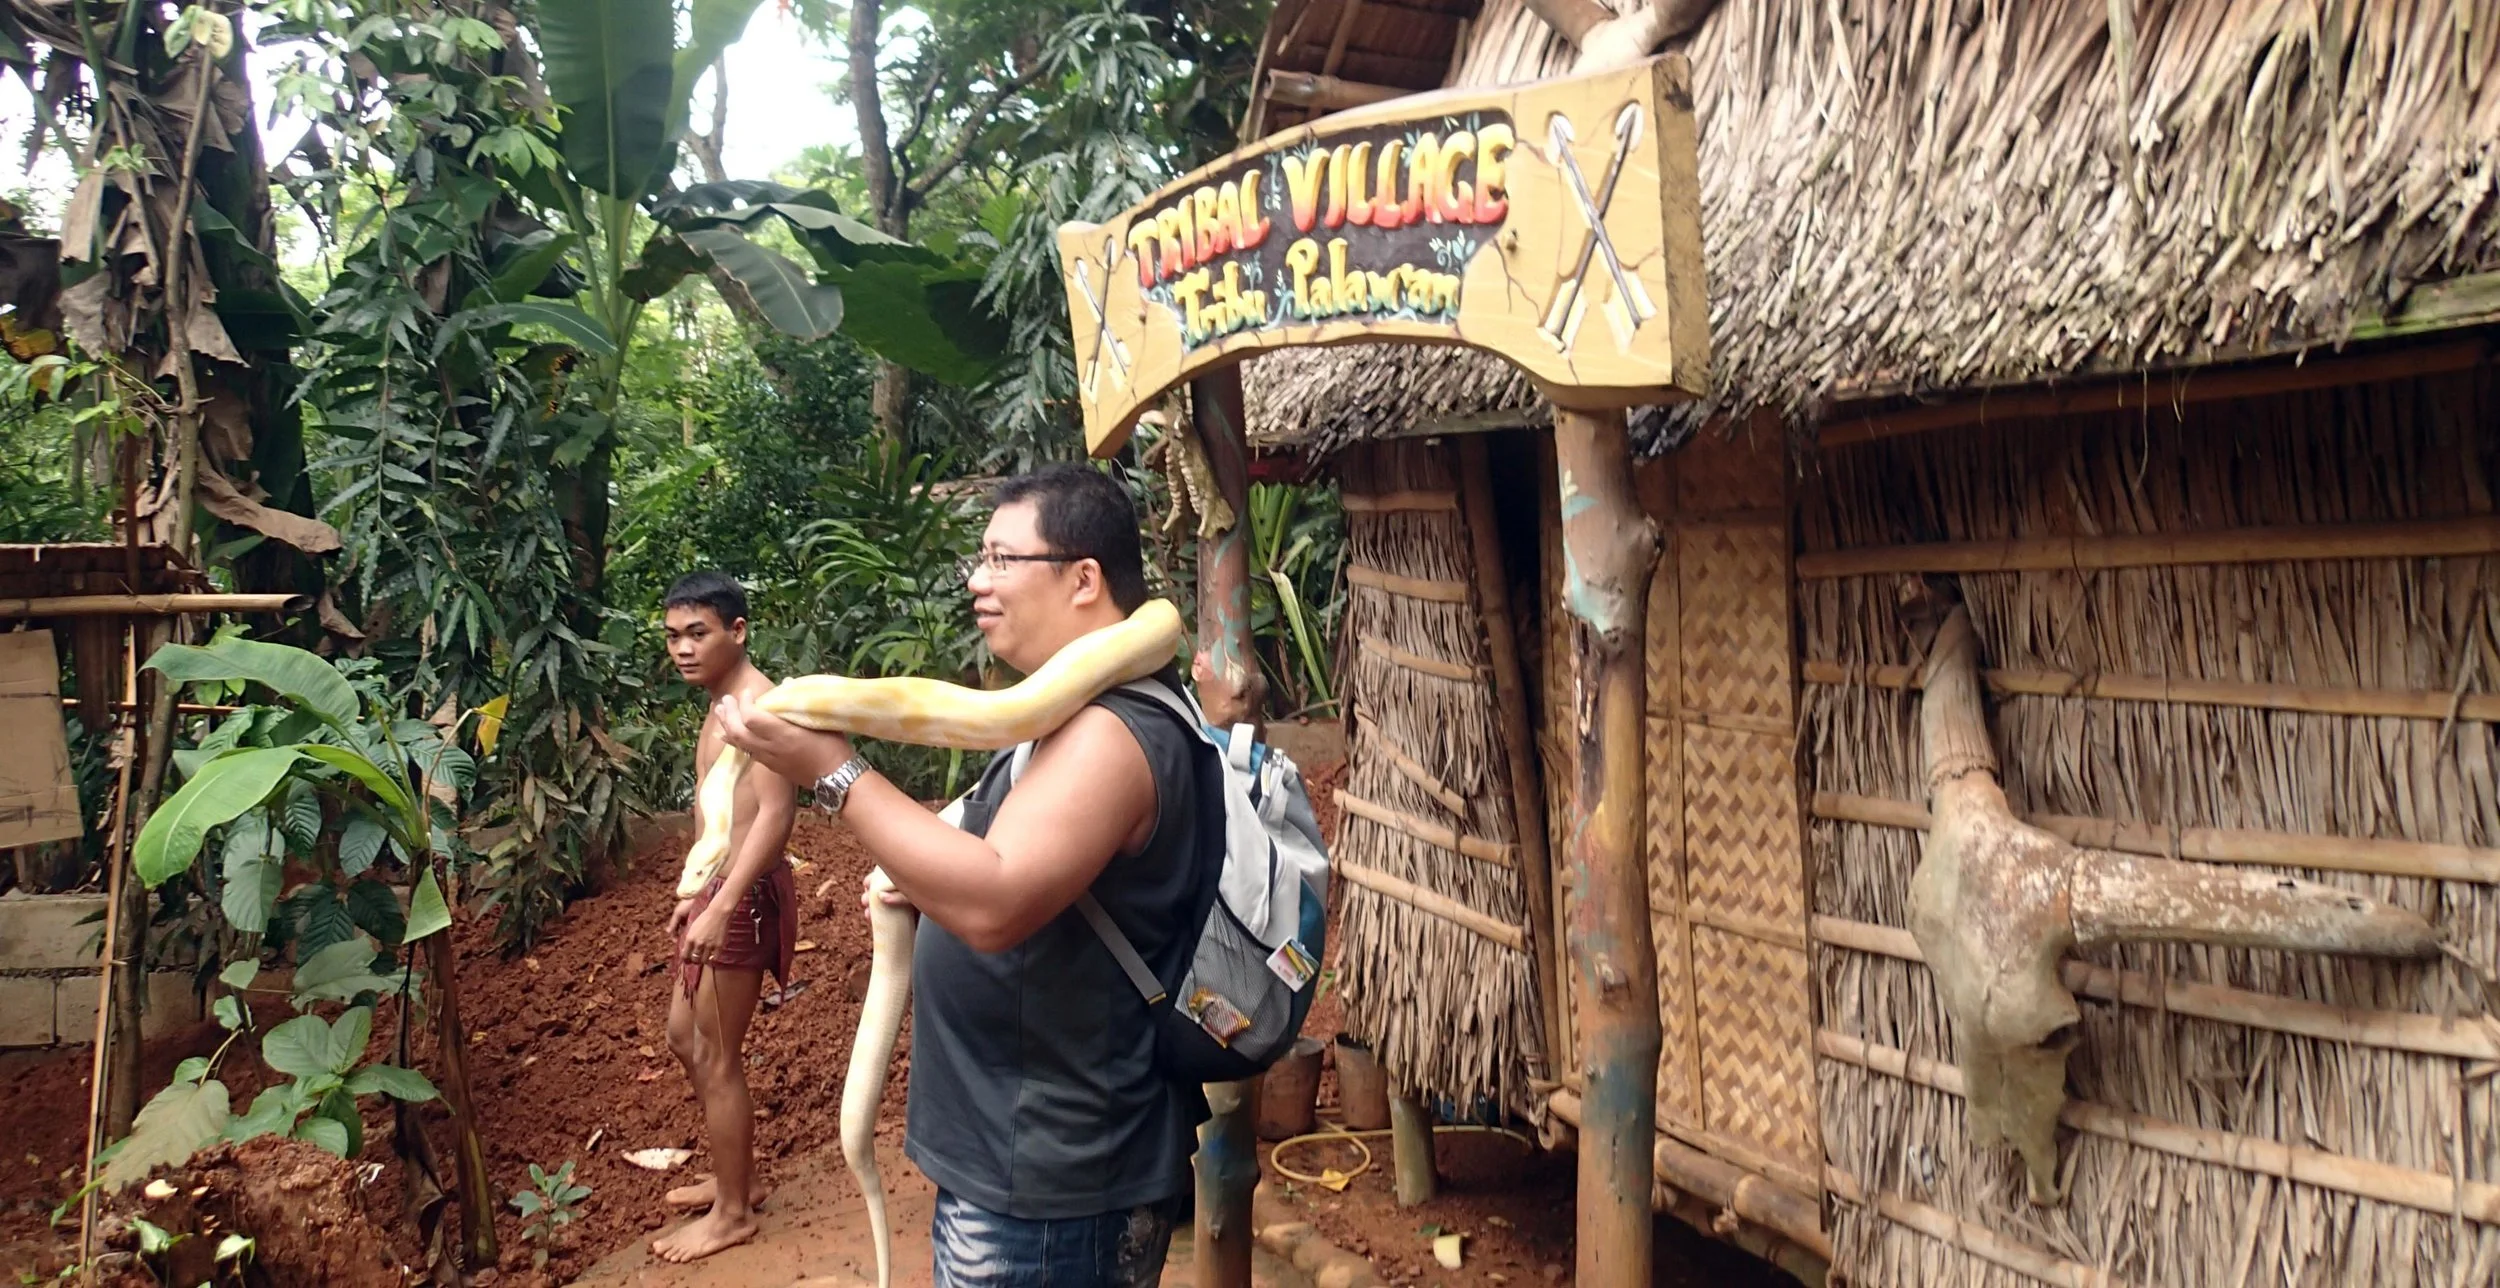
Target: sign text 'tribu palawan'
(1379,223)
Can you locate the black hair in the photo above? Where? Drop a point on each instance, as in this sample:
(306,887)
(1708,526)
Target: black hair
(1080,510)
(708,589)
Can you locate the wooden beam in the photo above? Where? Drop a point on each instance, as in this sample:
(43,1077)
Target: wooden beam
(1750,1195)
(2458,1037)
(1326,93)
(1374,646)
(2174,389)
(2406,539)
(2342,1173)
(2427,860)
(2415,704)
(1400,890)
(1397,502)
(1347,12)
(173,605)
(1412,769)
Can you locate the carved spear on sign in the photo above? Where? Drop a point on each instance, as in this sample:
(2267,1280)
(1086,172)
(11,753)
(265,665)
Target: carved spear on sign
(1996,903)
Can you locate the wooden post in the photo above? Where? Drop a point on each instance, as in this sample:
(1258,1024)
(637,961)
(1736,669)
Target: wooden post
(1609,546)
(1226,675)
(1510,692)
(1410,1140)
(128,971)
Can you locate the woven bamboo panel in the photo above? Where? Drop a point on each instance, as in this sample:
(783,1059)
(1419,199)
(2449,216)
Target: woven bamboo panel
(1742,842)
(1732,585)
(1679,1067)
(1757,1044)
(1557,744)
(1715,475)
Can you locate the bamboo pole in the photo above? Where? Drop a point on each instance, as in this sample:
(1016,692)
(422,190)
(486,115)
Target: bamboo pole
(2460,1037)
(1410,1140)
(115,874)
(2414,704)
(1510,693)
(145,605)
(1324,94)
(1749,1192)
(1397,502)
(1475,847)
(2342,1173)
(1427,901)
(1232,691)
(125,997)
(1610,546)
(1443,668)
(1424,588)
(1407,766)
(2430,861)
(2402,539)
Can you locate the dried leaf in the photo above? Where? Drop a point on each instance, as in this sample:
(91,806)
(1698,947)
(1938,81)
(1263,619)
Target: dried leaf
(658,1159)
(219,496)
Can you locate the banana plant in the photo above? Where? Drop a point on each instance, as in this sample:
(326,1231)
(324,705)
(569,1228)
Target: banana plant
(317,775)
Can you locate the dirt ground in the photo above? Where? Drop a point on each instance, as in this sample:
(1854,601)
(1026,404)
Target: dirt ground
(569,1061)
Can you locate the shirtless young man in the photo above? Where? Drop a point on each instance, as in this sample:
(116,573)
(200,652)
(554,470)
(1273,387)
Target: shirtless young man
(743,923)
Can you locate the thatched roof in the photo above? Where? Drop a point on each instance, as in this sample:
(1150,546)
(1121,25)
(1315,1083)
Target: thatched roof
(1926,197)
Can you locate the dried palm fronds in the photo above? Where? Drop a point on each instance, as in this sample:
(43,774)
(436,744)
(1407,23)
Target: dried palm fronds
(2403,450)
(1450,1013)
(1921,195)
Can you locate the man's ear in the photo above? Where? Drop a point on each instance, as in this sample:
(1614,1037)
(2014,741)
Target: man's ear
(738,631)
(1090,585)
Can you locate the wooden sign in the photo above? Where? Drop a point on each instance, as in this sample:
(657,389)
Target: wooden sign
(1556,223)
(38,797)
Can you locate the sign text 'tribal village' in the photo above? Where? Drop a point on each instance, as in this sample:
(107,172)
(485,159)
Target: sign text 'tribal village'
(1380,222)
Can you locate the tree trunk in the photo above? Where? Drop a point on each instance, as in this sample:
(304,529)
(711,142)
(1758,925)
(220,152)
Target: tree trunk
(451,1043)
(1609,547)
(1226,670)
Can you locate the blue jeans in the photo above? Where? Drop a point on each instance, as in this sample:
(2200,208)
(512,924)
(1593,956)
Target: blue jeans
(973,1247)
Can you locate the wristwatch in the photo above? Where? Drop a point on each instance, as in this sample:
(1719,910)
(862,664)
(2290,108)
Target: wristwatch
(834,789)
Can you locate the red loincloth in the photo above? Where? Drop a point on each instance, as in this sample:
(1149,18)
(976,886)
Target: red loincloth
(763,931)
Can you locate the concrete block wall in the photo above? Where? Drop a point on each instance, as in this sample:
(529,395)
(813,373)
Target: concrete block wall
(50,976)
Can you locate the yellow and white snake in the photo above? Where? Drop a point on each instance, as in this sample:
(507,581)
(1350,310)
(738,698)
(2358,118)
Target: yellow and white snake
(936,714)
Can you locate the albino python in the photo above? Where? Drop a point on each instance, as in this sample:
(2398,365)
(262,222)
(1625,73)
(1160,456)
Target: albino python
(936,714)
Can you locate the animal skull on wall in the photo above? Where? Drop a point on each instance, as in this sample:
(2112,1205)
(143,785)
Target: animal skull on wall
(1996,903)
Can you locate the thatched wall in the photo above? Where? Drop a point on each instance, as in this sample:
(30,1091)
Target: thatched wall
(1450,1011)
(1904,197)
(2256,1094)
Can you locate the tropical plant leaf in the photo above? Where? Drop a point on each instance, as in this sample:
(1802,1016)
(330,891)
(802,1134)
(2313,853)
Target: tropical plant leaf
(221,790)
(665,261)
(610,64)
(328,1133)
(273,1111)
(299,1048)
(565,319)
(300,819)
(716,25)
(254,871)
(170,1128)
(301,677)
(930,320)
(348,1035)
(192,1069)
(386,788)
(360,844)
(320,921)
(781,291)
(539,256)
(427,913)
(339,973)
(392,1081)
(239,975)
(374,907)
(490,721)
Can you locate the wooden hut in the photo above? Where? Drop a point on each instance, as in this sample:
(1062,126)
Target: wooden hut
(2158,338)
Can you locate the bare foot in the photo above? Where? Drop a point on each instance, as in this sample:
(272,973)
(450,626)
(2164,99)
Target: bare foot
(703,1236)
(699,1194)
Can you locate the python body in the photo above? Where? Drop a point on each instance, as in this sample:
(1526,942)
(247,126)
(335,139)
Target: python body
(937,714)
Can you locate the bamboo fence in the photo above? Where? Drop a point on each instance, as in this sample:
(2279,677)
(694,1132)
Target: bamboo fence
(2291,1119)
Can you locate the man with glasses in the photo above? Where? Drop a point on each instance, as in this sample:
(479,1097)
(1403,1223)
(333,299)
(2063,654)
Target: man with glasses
(1060,1152)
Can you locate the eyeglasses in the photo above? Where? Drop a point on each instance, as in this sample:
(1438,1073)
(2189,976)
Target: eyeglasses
(997,561)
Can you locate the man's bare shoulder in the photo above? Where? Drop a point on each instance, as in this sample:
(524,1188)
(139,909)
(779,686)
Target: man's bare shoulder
(1098,748)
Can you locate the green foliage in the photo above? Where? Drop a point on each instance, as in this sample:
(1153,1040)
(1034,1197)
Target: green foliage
(552,1202)
(1297,597)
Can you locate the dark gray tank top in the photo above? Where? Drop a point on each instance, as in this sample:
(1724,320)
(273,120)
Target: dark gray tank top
(1033,1089)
